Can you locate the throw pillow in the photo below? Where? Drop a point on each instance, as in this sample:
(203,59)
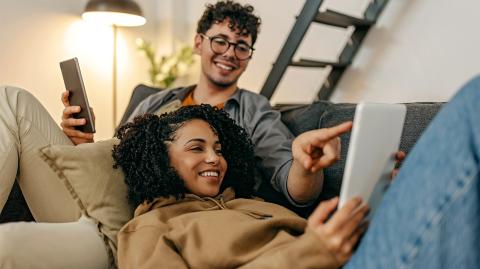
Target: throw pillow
(99,189)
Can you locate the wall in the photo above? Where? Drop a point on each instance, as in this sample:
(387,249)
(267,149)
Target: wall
(420,50)
(36,35)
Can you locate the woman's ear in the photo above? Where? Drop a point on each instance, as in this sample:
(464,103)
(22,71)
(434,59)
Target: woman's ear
(197,49)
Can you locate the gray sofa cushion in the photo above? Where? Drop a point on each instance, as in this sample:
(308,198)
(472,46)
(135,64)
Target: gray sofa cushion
(323,114)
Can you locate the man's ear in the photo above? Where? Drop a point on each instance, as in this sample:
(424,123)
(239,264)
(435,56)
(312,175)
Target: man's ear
(197,44)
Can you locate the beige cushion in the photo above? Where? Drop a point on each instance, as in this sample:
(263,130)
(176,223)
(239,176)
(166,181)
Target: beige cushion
(99,189)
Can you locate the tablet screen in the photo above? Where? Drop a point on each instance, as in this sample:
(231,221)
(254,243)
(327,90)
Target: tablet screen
(375,138)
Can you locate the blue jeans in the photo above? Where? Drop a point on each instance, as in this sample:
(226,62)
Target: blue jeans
(430,216)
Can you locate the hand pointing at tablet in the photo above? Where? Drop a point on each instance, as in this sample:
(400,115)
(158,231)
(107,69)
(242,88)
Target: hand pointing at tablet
(318,149)
(312,151)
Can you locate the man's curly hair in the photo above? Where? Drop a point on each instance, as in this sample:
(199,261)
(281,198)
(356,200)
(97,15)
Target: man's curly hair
(143,154)
(242,19)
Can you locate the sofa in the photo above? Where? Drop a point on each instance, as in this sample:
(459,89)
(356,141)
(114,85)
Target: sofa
(298,119)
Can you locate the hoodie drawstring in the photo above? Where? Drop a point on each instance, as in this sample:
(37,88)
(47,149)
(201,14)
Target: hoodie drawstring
(252,213)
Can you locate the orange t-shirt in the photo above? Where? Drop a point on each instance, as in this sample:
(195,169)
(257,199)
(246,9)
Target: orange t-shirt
(188,101)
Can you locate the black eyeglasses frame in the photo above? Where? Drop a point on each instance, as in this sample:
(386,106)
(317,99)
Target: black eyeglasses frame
(235,44)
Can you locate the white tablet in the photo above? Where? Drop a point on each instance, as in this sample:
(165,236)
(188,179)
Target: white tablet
(375,138)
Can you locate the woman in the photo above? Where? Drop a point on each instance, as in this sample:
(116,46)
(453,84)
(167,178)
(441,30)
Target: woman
(190,175)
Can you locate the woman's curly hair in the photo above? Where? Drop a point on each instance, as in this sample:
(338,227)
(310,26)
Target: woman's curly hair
(242,19)
(143,154)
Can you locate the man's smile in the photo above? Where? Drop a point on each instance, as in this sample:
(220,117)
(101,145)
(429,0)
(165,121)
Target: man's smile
(225,65)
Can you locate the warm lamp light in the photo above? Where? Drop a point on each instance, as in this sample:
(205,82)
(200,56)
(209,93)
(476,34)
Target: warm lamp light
(113,18)
(114,13)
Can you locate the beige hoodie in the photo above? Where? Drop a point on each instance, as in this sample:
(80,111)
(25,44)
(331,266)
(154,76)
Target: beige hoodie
(221,232)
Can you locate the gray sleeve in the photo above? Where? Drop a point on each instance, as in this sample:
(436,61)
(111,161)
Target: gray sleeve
(149,104)
(273,144)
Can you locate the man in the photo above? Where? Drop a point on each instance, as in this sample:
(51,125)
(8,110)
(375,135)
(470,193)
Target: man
(224,41)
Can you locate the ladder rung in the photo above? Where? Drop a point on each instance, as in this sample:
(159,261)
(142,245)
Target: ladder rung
(334,18)
(313,63)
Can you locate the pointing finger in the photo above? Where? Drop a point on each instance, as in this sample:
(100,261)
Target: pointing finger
(323,135)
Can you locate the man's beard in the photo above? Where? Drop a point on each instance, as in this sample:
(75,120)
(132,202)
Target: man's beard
(222,84)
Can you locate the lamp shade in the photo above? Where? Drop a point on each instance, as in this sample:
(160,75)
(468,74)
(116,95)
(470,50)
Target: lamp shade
(114,12)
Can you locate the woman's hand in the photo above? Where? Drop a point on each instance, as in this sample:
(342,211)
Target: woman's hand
(399,157)
(343,229)
(69,123)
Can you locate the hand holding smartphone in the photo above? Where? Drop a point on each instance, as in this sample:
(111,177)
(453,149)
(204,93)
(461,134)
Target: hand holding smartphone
(72,78)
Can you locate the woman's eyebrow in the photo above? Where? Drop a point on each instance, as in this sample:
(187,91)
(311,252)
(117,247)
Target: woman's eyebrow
(201,140)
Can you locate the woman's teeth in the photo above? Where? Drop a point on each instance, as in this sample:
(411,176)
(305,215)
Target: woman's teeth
(209,174)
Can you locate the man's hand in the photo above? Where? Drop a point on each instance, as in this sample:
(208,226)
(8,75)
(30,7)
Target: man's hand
(318,149)
(342,231)
(68,122)
(399,157)
(313,151)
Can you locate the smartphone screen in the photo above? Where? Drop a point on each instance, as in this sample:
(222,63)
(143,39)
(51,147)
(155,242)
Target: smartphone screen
(72,78)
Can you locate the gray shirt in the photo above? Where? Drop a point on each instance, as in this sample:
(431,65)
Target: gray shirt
(271,138)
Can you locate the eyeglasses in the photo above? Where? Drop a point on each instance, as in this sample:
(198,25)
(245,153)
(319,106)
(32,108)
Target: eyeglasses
(220,45)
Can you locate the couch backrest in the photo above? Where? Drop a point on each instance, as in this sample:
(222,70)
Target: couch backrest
(319,115)
(323,114)
(140,92)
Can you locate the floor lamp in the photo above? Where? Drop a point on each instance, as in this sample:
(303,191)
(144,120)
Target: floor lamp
(124,13)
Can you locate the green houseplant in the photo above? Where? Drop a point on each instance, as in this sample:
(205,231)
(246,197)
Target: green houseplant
(164,71)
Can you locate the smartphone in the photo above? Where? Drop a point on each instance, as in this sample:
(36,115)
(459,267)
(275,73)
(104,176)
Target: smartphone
(72,77)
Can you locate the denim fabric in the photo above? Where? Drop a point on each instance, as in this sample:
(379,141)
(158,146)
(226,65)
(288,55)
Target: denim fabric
(430,216)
